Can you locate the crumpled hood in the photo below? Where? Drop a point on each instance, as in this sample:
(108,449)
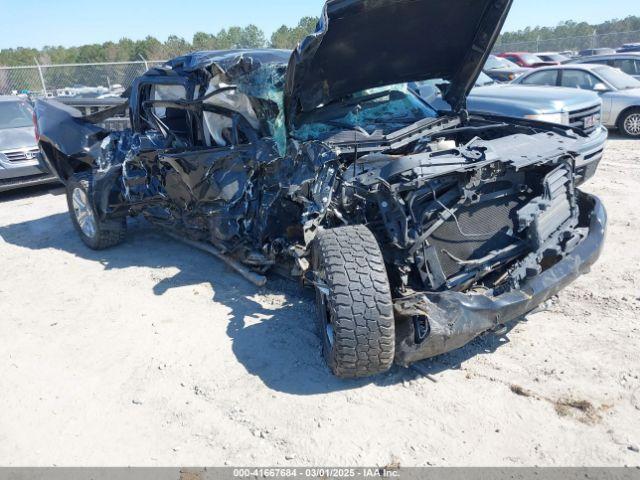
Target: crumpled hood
(362,44)
(17,138)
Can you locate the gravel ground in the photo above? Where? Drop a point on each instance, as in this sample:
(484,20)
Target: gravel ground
(153,353)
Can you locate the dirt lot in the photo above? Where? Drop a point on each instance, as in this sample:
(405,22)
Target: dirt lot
(155,354)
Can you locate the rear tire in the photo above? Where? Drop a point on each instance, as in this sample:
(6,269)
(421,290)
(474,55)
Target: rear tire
(95,233)
(629,123)
(353,297)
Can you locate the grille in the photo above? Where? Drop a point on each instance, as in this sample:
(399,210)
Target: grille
(24,181)
(592,116)
(483,227)
(22,155)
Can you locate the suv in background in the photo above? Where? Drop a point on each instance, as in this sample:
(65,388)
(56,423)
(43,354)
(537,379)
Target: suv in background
(581,110)
(620,92)
(20,162)
(629,63)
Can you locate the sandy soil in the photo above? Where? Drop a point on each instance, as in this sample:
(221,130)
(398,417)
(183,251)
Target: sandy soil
(155,354)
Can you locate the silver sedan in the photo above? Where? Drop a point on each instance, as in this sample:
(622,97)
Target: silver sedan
(620,92)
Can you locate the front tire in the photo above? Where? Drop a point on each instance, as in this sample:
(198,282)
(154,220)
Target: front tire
(95,233)
(629,123)
(353,297)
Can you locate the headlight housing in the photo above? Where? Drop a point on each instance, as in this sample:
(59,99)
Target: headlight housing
(561,117)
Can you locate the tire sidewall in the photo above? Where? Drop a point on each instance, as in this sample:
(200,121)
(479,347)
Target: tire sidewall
(328,351)
(623,120)
(83,184)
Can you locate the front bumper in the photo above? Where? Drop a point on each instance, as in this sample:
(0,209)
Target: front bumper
(23,173)
(454,319)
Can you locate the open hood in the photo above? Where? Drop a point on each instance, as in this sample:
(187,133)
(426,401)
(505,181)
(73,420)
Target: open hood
(361,44)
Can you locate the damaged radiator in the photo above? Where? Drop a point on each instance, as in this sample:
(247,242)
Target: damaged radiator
(476,231)
(503,225)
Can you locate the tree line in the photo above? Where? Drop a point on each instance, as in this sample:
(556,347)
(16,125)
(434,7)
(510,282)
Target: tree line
(153,49)
(253,37)
(571,29)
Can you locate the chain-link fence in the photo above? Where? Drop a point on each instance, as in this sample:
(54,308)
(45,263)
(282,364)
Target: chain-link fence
(575,44)
(99,79)
(69,80)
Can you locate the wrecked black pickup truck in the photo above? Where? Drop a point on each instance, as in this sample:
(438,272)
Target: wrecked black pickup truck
(419,230)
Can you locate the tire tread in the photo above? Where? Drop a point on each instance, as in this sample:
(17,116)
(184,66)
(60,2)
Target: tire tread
(360,298)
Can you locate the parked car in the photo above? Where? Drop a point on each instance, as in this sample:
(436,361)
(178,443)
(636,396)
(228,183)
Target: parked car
(555,105)
(629,47)
(502,70)
(629,63)
(419,230)
(581,110)
(590,52)
(620,92)
(20,162)
(525,59)
(553,57)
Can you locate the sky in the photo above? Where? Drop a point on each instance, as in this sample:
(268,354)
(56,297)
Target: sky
(77,22)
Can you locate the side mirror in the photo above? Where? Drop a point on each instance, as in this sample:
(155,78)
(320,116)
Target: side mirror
(600,88)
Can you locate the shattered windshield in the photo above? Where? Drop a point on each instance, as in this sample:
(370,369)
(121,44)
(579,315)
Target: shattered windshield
(380,110)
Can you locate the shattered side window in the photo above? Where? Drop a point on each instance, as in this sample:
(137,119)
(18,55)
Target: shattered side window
(267,83)
(219,126)
(258,98)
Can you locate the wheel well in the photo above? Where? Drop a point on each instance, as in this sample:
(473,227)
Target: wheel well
(65,166)
(624,112)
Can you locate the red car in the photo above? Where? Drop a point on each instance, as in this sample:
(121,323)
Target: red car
(526,59)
